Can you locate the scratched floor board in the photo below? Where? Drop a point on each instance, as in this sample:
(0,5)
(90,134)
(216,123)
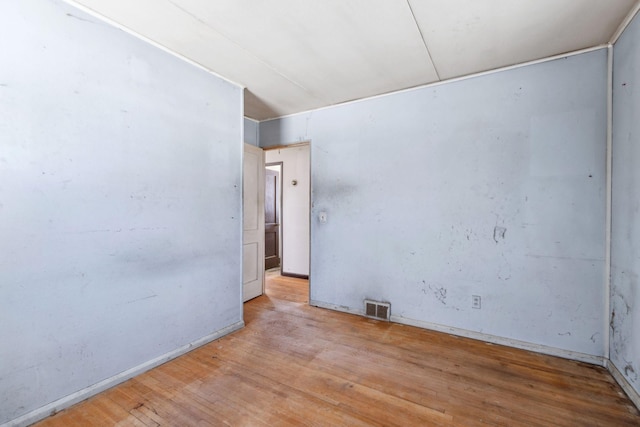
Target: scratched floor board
(294,364)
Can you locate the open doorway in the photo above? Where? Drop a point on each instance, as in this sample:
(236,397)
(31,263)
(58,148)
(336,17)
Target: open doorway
(272,216)
(293,166)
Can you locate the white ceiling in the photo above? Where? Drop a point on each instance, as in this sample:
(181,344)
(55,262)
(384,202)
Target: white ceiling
(297,55)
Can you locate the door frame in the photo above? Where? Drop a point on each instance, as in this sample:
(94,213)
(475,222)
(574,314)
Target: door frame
(280,210)
(310,237)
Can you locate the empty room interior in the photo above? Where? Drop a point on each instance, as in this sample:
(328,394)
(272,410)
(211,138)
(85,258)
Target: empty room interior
(459,230)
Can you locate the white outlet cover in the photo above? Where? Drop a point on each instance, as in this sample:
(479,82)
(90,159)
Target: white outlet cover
(476,301)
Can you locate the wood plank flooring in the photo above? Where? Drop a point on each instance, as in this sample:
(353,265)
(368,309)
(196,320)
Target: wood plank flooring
(298,365)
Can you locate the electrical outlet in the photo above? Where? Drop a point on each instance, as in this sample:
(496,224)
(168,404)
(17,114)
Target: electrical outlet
(476,301)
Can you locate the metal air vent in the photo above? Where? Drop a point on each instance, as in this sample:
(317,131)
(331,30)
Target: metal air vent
(377,310)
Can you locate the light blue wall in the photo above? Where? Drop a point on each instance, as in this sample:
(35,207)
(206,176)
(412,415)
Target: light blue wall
(251,134)
(625,247)
(491,186)
(120,203)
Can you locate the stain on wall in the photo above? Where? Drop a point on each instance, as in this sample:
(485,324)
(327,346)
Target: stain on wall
(491,186)
(625,238)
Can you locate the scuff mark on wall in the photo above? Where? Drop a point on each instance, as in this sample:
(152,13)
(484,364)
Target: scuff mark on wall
(439,292)
(70,15)
(499,233)
(446,190)
(625,228)
(504,271)
(621,313)
(629,371)
(612,321)
(141,299)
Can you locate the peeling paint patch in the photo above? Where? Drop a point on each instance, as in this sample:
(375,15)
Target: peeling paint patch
(612,321)
(439,292)
(499,233)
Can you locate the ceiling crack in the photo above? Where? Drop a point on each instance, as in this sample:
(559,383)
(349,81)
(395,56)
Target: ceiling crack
(424,41)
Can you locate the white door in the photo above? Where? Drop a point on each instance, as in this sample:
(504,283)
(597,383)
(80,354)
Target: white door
(253,223)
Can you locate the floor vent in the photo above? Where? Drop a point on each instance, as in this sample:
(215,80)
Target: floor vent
(377,309)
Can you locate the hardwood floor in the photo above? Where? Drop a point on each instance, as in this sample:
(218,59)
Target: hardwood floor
(298,365)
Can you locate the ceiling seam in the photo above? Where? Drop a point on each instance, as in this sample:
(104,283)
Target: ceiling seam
(265,63)
(424,42)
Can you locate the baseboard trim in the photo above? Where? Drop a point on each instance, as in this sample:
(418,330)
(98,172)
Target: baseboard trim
(523,345)
(632,393)
(334,307)
(67,401)
(296,275)
(494,339)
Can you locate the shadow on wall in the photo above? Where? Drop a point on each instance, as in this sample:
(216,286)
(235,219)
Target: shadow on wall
(256,108)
